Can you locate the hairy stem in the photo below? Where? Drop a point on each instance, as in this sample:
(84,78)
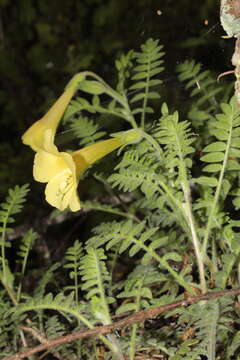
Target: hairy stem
(189,215)
(118,97)
(195,241)
(154,143)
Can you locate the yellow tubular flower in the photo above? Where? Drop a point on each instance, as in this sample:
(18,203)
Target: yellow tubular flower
(62,171)
(35,134)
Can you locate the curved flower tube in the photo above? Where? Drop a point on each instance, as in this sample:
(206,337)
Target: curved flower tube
(35,134)
(62,171)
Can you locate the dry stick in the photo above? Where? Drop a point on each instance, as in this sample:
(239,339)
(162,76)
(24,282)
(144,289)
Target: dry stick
(134,318)
(42,339)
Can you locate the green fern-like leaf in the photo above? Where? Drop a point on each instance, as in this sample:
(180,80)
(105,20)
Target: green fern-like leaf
(148,66)
(176,137)
(203,86)
(12,206)
(25,247)
(221,157)
(7,327)
(211,322)
(73,257)
(53,327)
(137,288)
(95,106)
(186,351)
(96,279)
(202,82)
(207,94)
(86,131)
(136,172)
(141,168)
(65,305)
(134,238)
(48,277)
(60,303)
(222,153)
(124,65)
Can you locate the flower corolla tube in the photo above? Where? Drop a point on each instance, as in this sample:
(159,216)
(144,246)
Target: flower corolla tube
(35,134)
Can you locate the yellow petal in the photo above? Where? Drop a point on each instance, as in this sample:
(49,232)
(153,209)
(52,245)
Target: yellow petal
(48,142)
(61,191)
(34,136)
(47,165)
(75,202)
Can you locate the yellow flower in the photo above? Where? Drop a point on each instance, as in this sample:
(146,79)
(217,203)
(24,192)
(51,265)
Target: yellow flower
(62,171)
(35,134)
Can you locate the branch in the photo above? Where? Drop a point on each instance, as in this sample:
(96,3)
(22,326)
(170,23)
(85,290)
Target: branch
(131,319)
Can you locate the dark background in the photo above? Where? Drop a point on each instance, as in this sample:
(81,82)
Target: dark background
(43,43)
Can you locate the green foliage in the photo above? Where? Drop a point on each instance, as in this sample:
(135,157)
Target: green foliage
(185,351)
(148,66)
(12,206)
(137,288)
(206,92)
(95,279)
(85,130)
(210,330)
(166,226)
(176,137)
(73,256)
(144,66)
(202,82)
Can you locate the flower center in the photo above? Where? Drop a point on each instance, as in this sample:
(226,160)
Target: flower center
(65,185)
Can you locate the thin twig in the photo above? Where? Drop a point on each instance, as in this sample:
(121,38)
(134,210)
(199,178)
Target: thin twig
(134,318)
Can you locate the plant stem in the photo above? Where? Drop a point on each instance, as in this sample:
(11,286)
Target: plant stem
(180,280)
(99,207)
(115,344)
(145,96)
(118,97)
(11,293)
(3,256)
(132,348)
(216,196)
(195,241)
(153,142)
(189,215)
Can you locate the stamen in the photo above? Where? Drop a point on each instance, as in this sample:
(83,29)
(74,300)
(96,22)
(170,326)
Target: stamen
(64,187)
